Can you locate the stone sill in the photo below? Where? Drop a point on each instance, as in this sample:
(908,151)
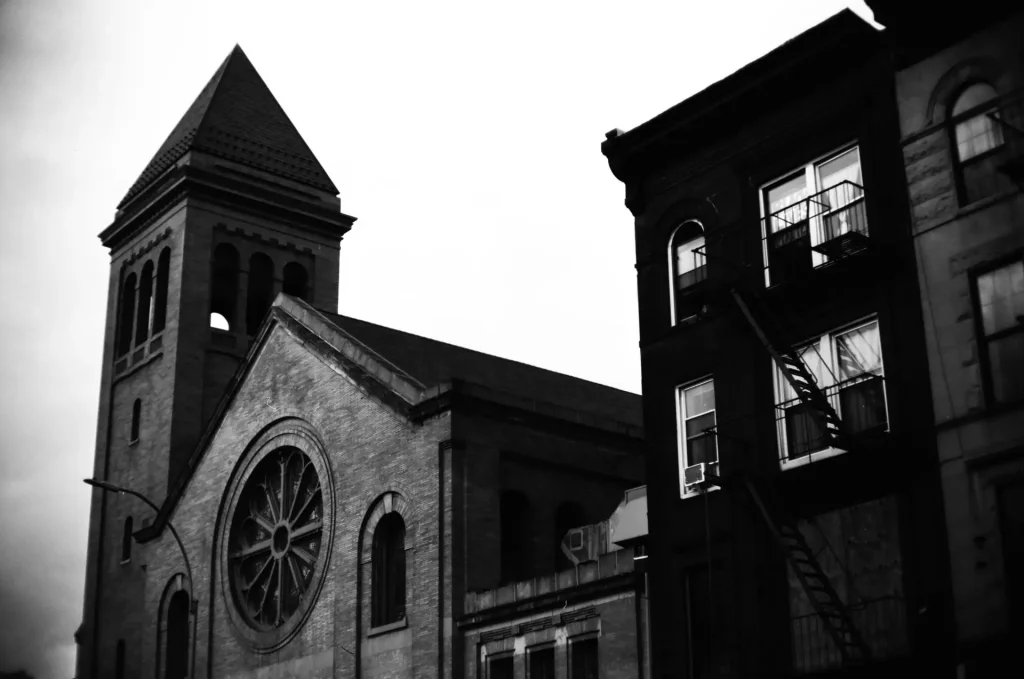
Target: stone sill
(390,627)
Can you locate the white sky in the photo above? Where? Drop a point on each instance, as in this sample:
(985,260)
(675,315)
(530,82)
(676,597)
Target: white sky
(465,136)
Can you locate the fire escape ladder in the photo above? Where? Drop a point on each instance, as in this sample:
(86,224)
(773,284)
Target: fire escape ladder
(823,597)
(795,371)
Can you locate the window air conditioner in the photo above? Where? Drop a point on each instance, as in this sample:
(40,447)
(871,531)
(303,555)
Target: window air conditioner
(694,475)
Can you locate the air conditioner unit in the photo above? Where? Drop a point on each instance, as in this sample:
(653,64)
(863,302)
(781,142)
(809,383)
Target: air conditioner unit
(694,475)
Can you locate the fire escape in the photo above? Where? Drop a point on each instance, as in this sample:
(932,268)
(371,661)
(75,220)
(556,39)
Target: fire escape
(818,231)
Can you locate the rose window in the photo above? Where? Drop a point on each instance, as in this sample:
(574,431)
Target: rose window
(275,538)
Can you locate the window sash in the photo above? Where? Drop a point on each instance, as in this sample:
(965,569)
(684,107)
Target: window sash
(848,354)
(999,304)
(787,211)
(697,407)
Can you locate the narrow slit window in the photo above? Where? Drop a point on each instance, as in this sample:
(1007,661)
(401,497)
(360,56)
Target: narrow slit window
(136,420)
(126,541)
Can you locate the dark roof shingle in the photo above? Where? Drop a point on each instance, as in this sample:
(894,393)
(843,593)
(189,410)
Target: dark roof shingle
(236,117)
(432,362)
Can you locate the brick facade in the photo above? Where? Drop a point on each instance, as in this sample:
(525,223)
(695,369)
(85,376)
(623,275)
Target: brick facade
(437,439)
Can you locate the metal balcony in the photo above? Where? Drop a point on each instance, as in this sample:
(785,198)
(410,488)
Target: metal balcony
(801,431)
(826,227)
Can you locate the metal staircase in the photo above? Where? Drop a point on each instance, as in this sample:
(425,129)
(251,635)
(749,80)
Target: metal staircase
(823,597)
(795,371)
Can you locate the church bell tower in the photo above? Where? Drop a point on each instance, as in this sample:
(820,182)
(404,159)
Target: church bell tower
(233,209)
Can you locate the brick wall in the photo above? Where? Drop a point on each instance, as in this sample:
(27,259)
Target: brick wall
(951,239)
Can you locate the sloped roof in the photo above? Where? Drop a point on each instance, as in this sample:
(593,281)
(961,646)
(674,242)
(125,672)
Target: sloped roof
(236,117)
(432,362)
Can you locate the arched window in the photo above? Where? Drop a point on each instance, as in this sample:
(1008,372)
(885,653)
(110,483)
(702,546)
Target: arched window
(224,287)
(136,419)
(569,515)
(124,329)
(979,133)
(977,138)
(163,269)
(515,536)
(126,541)
(687,267)
(176,655)
(261,291)
(388,571)
(145,300)
(295,280)
(119,660)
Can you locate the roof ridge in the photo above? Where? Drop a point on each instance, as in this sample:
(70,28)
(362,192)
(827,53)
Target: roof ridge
(479,352)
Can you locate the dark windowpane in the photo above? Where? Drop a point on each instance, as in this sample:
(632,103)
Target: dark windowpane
(126,540)
(295,280)
(1006,365)
(124,330)
(1011,519)
(261,291)
(119,660)
(862,405)
(515,536)
(583,659)
(501,668)
(388,570)
(145,299)
(163,269)
(805,432)
(224,284)
(542,663)
(176,659)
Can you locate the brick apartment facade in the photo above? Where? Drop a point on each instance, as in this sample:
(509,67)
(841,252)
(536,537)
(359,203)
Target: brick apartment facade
(341,490)
(960,90)
(796,504)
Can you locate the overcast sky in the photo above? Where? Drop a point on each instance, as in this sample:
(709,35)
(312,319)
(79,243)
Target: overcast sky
(465,136)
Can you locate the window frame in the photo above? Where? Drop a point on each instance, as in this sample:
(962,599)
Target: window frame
(674,316)
(981,339)
(681,439)
(809,171)
(953,121)
(498,657)
(571,645)
(827,350)
(540,648)
(385,608)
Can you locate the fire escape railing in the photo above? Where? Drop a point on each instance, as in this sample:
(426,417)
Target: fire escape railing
(825,227)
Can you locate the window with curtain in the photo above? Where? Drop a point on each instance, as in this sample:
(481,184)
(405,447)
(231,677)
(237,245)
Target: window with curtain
(847,368)
(999,295)
(811,205)
(388,566)
(977,138)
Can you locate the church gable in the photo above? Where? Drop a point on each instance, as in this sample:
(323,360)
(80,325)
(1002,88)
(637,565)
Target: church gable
(296,409)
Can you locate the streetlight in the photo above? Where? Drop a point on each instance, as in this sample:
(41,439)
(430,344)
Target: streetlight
(111,488)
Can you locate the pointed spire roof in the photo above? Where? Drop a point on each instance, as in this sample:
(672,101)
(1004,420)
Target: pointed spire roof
(237,118)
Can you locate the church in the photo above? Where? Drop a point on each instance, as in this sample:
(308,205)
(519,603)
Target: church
(284,491)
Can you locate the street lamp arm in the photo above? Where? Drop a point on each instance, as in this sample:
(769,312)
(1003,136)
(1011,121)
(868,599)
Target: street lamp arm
(111,488)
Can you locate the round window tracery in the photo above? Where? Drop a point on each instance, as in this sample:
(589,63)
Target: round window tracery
(276,538)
